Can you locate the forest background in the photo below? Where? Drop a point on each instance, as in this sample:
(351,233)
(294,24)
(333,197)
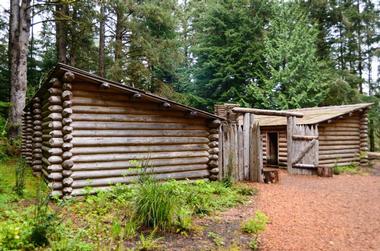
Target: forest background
(265,54)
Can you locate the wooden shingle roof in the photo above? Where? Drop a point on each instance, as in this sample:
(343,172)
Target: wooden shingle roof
(313,115)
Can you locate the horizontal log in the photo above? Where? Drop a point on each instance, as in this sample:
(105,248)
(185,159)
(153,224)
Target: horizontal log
(139,149)
(54,185)
(55,100)
(339,137)
(150,163)
(129,179)
(338,156)
(55,176)
(54,168)
(67,86)
(68,77)
(67,103)
(68,181)
(55,160)
(135,118)
(139,126)
(67,121)
(66,112)
(267,112)
(69,173)
(339,160)
(135,156)
(138,141)
(323,147)
(304,137)
(55,91)
(341,142)
(67,95)
(213,144)
(139,133)
(340,150)
(78,175)
(55,142)
(67,155)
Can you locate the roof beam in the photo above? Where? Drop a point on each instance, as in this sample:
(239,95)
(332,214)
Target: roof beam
(267,112)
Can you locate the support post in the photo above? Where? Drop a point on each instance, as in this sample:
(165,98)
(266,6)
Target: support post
(290,129)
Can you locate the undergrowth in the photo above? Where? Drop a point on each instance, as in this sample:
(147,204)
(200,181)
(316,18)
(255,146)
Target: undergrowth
(106,220)
(349,169)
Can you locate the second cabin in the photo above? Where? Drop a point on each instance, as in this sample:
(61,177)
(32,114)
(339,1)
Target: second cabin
(305,141)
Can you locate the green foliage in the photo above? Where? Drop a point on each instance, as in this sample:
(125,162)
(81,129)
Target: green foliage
(228,47)
(253,244)
(20,177)
(255,225)
(292,76)
(349,169)
(216,238)
(155,204)
(147,243)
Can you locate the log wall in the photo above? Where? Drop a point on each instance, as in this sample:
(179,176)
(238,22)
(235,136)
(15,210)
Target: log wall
(113,134)
(27,136)
(282,145)
(339,141)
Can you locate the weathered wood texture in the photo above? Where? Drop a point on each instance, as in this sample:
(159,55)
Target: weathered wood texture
(114,134)
(364,139)
(239,145)
(303,156)
(27,136)
(340,141)
(37,136)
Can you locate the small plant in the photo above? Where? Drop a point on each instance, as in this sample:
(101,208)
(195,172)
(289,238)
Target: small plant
(20,177)
(130,228)
(184,221)
(350,169)
(216,238)
(253,243)
(255,225)
(148,243)
(43,221)
(155,204)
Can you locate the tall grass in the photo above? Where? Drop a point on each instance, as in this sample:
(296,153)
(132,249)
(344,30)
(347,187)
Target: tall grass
(155,204)
(20,177)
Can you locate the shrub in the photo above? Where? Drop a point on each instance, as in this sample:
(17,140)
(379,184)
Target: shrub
(155,204)
(253,244)
(255,225)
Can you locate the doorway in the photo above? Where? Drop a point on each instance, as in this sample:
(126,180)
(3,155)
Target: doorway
(272,157)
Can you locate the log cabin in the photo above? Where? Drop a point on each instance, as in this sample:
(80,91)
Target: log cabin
(81,130)
(340,134)
(254,141)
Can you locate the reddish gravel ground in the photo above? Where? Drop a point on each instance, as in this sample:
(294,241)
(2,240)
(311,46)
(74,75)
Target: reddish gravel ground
(313,213)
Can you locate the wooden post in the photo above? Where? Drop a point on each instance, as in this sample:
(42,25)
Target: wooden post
(290,128)
(246,140)
(256,166)
(67,163)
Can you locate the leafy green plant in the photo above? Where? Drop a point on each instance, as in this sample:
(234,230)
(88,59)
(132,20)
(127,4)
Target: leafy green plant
(130,228)
(184,221)
(216,238)
(147,243)
(256,224)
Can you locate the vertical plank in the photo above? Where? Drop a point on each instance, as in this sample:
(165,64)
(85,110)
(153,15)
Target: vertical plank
(290,128)
(220,154)
(256,154)
(246,140)
(240,151)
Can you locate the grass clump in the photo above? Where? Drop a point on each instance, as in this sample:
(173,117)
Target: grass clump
(349,169)
(155,204)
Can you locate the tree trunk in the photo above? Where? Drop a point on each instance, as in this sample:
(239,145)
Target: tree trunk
(61,13)
(18,53)
(101,68)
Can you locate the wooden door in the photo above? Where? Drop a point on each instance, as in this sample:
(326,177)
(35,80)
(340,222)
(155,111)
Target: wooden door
(304,149)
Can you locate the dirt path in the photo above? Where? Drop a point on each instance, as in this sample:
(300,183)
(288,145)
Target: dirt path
(312,213)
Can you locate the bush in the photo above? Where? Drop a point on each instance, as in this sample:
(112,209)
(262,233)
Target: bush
(155,204)
(255,225)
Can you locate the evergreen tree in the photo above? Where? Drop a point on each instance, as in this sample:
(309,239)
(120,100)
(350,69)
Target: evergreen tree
(293,76)
(228,50)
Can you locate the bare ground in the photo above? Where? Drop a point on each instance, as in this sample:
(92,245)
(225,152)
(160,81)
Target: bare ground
(306,213)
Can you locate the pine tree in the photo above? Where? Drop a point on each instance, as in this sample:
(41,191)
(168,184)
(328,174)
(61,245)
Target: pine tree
(228,48)
(293,76)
